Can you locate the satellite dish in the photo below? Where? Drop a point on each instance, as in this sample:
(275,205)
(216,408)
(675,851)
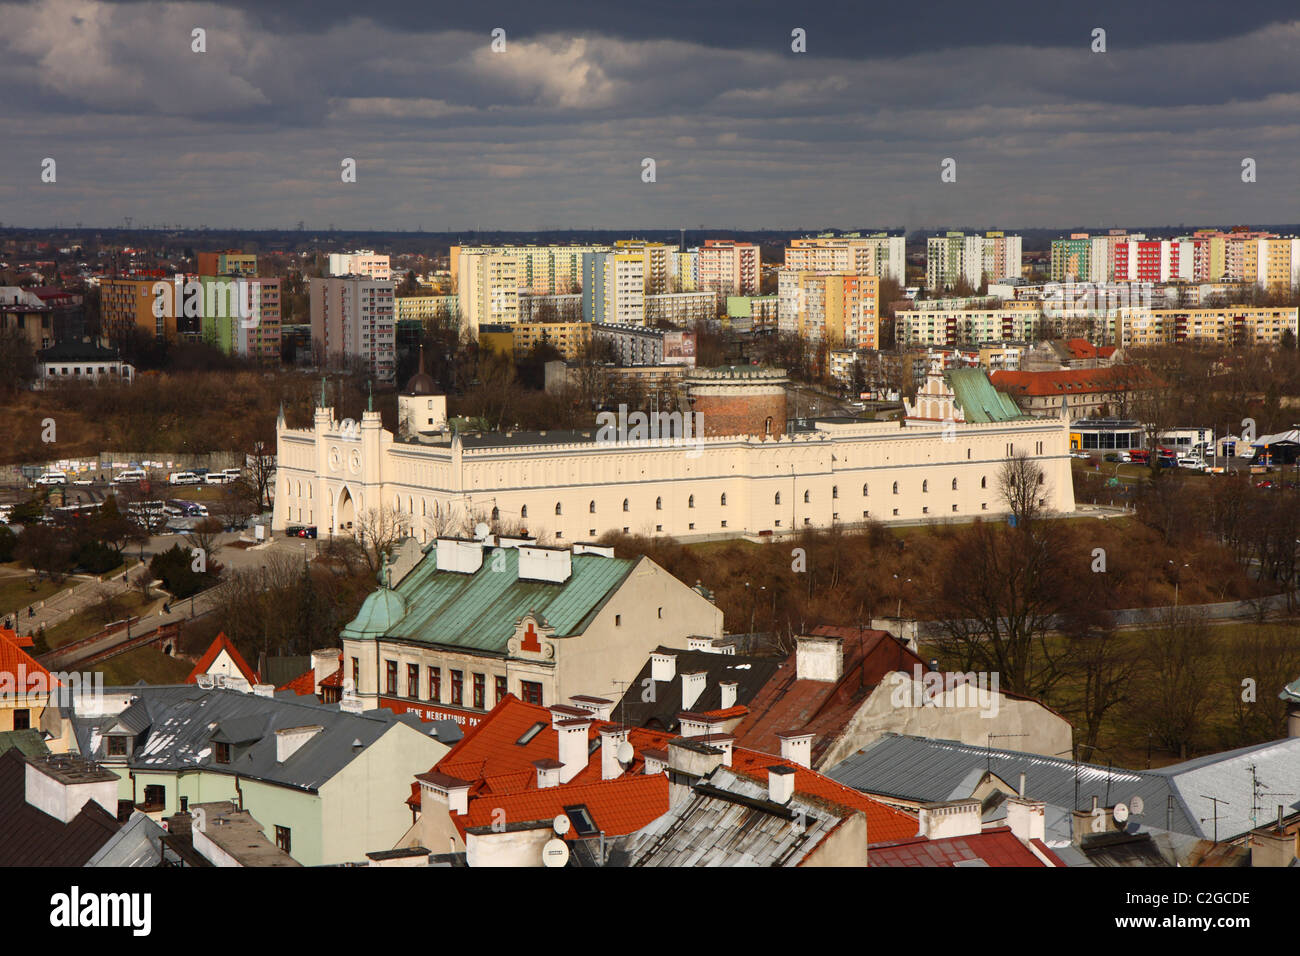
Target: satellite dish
(555,853)
(1121,813)
(625,753)
(481,530)
(1135,806)
(561,824)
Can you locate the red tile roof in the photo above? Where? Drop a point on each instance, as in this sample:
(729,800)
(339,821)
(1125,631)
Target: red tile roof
(996,847)
(1083,349)
(304,683)
(823,708)
(617,807)
(1079,381)
(22,640)
(218,645)
(17,662)
(500,769)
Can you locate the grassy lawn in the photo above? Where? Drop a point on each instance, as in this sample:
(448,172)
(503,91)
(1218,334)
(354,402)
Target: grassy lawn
(16,593)
(146,664)
(91,620)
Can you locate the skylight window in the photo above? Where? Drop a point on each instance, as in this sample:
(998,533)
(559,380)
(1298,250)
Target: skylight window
(531,732)
(580,817)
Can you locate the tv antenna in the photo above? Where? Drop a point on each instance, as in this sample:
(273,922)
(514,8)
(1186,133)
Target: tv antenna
(1216,801)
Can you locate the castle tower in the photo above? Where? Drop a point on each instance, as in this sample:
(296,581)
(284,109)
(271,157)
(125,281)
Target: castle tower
(739,400)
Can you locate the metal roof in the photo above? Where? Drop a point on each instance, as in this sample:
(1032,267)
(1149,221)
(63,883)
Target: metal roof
(186,720)
(979,400)
(931,771)
(138,843)
(479,610)
(730,822)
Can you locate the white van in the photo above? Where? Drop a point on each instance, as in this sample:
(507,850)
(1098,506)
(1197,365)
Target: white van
(217,478)
(233,474)
(130,475)
(52,478)
(184,478)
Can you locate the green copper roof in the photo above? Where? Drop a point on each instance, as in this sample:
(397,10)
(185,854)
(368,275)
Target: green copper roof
(977,397)
(478,611)
(379,612)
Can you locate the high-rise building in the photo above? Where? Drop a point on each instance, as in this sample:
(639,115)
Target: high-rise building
(841,309)
(728,267)
(879,254)
(228,262)
(363,262)
(958,257)
(352,318)
(488,289)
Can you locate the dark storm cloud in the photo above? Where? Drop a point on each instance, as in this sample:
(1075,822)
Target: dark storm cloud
(448,134)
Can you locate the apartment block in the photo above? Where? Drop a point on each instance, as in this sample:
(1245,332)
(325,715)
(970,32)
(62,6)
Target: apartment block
(839,309)
(728,267)
(1231,326)
(487,289)
(249,328)
(879,254)
(1013,321)
(428,310)
(957,257)
(681,308)
(352,319)
(228,262)
(364,262)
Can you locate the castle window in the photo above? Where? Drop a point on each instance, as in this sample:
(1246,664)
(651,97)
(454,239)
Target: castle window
(592,507)
(558,508)
(954,484)
(984,482)
(864,489)
(659,504)
(805,497)
(925,487)
(523,511)
(768,426)
(724,500)
(496,514)
(835,491)
(626,507)
(895,487)
(777,500)
(690,502)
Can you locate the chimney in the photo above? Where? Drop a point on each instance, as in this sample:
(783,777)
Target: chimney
(780,784)
(728,689)
(599,707)
(61,784)
(954,818)
(463,557)
(1272,845)
(663,667)
(819,658)
(449,791)
(291,739)
(545,564)
(1022,785)
(692,687)
(324,663)
(796,747)
(723,742)
(1083,822)
(572,746)
(655,761)
(264,690)
(611,739)
(699,644)
(1027,818)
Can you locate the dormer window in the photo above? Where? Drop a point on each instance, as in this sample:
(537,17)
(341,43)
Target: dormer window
(117,746)
(221,753)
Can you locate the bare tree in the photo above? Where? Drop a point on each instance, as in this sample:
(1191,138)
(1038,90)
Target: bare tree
(1022,486)
(261,471)
(1180,661)
(377,530)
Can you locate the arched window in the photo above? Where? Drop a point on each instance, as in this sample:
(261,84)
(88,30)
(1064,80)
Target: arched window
(690,502)
(777,500)
(558,509)
(895,487)
(724,499)
(523,511)
(659,504)
(768,426)
(805,497)
(592,507)
(1040,477)
(954,484)
(925,486)
(835,491)
(984,482)
(496,514)
(626,507)
(864,489)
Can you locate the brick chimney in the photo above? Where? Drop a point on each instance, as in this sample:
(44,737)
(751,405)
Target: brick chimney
(819,658)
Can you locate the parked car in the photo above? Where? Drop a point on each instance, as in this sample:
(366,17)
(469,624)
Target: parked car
(308,532)
(1188,462)
(52,478)
(1111,456)
(1266,483)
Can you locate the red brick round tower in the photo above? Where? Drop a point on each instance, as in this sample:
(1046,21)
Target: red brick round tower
(739,399)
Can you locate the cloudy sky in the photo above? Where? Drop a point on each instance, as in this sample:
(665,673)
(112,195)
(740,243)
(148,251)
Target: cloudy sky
(551,133)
